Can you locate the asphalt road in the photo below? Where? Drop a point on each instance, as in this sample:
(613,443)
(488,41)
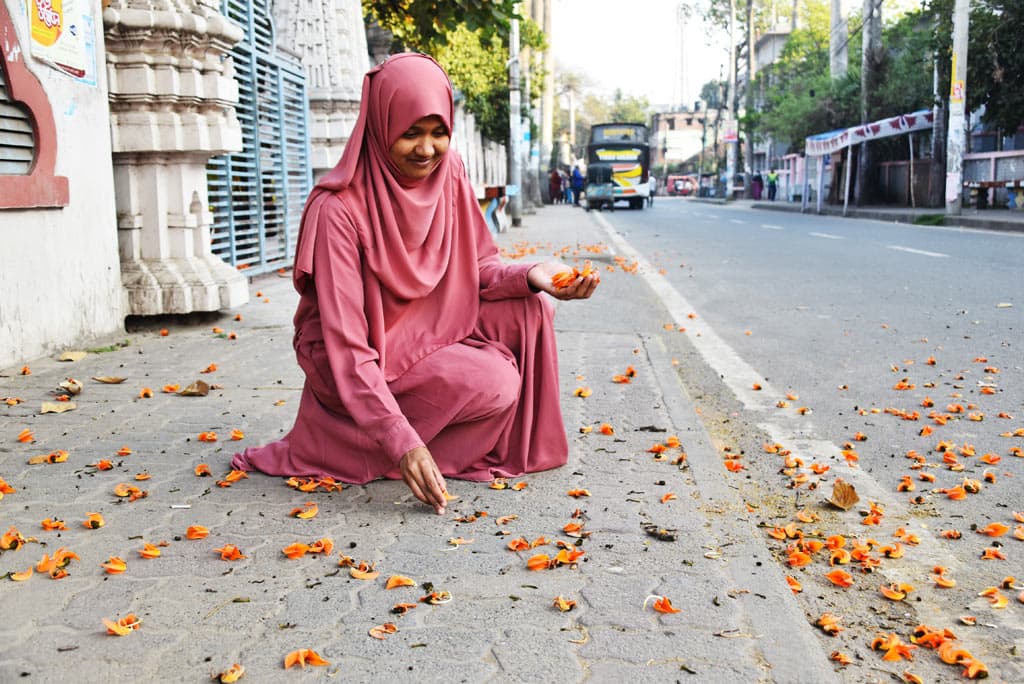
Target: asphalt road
(837,313)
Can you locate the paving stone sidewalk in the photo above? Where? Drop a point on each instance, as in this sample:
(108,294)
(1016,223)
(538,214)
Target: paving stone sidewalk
(200,614)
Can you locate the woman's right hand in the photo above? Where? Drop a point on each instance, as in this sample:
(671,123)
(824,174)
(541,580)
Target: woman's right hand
(424,479)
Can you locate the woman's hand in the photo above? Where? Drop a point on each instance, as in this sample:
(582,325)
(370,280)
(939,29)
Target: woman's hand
(424,479)
(539,278)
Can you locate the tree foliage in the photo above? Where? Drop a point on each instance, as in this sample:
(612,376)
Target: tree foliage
(470,39)
(423,25)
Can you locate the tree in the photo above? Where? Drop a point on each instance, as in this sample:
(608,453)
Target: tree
(469,38)
(423,25)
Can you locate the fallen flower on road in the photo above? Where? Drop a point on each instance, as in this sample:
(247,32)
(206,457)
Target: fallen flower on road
(840,578)
(93,521)
(114,565)
(196,532)
(382,631)
(231,675)
(303,657)
(230,552)
(399,581)
(661,604)
(124,626)
(306,511)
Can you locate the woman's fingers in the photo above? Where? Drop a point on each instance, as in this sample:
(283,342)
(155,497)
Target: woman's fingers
(423,478)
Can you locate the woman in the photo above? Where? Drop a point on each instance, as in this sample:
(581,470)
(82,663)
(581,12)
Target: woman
(425,356)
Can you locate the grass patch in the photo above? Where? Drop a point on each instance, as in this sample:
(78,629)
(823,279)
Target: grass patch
(109,347)
(929,220)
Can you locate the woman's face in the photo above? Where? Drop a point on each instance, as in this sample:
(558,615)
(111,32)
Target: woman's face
(419,150)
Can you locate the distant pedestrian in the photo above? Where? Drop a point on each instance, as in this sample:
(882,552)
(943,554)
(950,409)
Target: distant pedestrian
(567,194)
(756,185)
(773,184)
(652,189)
(555,186)
(577,184)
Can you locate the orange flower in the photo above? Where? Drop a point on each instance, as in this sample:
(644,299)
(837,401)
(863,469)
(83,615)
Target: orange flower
(21,576)
(399,581)
(607,429)
(573,529)
(230,552)
(518,544)
(668,496)
(124,451)
(323,545)
(896,591)
(893,647)
(733,466)
(149,551)
(124,626)
(661,604)
(382,631)
(306,511)
(8,489)
(145,393)
(402,608)
(829,624)
(196,532)
(114,565)
(212,368)
(840,578)
(51,524)
(363,571)
(840,658)
(26,436)
(992,553)
(563,604)
(303,657)
(996,529)
(296,550)
(164,332)
(237,434)
(577,493)
(170,389)
(232,674)
(12,540)
(541,561)
(25,370)
(93,521)
(794,584)
(207,437)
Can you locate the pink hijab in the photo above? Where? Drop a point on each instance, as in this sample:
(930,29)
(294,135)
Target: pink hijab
(412,232)
(408,221)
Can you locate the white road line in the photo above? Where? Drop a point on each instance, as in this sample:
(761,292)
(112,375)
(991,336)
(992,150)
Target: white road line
(922,252)
(742,223)
(827,236)
(769,226)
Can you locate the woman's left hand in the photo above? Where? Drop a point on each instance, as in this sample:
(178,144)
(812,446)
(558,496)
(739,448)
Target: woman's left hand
(541,274)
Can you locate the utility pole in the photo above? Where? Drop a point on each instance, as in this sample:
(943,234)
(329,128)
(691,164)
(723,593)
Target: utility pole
(515,157)
(731,129)
(956,138)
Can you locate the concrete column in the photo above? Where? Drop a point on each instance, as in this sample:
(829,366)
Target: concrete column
(330,38)
(172,98)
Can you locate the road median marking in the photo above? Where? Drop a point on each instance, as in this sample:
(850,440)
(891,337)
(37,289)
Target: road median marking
(922,252)
(827,236)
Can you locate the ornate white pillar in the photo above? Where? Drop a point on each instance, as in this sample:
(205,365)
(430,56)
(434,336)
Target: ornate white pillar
(330,37)
(172,99)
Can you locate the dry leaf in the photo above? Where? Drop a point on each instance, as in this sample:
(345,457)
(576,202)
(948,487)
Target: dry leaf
(72,356)
(108,379)
(844,496)
(196,389)
(57,406)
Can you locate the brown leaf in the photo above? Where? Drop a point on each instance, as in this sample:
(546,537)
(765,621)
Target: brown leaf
(108,379)
(72,356)
(57,406)
(196,389)
(844,496)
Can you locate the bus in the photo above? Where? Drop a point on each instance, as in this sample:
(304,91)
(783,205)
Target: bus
(627,148)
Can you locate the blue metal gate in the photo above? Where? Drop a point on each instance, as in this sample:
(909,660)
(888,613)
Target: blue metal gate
(257,195)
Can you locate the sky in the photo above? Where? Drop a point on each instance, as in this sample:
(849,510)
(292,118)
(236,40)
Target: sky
(633,45)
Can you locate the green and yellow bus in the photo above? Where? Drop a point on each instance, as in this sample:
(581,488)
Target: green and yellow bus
(627,148)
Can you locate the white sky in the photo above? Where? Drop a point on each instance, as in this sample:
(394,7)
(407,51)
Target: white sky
(633,45)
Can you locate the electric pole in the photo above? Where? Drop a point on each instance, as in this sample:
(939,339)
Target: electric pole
(956,138)
(731,130)
(515,157)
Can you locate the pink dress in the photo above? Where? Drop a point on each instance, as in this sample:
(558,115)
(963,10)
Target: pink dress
(473,375)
